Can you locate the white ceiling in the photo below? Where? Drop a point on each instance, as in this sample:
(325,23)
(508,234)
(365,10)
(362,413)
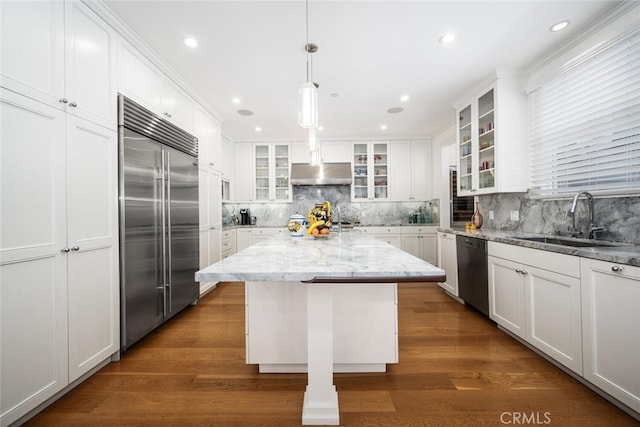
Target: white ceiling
(370,53)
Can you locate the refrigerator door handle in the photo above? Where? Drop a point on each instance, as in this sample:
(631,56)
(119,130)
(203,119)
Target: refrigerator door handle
(163,204)
(169,245)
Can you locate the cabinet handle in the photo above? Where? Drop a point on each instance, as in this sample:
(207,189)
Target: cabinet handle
(63,100)
(518,270)
(65,250)
(75,248)
(73,104)
(524,272)
(617,269)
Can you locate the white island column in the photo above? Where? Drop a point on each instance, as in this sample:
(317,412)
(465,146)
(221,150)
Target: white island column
(321,398)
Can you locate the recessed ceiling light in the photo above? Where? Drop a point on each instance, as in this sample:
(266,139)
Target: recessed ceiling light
(383,127)
(395,110)
(404,98)
(321,128)
(235,100)
(334,95)
(245,112)
(559,26)
(447,38)
(258,129)
(191,42)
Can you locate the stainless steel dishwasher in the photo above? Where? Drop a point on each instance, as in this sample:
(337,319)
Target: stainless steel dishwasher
(473,280)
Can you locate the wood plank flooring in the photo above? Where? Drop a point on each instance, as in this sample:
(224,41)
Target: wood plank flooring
(456,369)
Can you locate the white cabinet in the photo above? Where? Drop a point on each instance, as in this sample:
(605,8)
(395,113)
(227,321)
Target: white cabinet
(610,322)
(535,294)
(61,54)
(365,331)
(448,261)
(370,171)
(146,84)
(330,152)
(391,235)
(420,242)
(210,219)
(228,243)
(59,251)
(410,170)
(271,173)
(492,139)
(246,237)
(207,130)
(243,173)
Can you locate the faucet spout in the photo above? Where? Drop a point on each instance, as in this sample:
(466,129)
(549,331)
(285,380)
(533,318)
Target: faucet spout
(572,212)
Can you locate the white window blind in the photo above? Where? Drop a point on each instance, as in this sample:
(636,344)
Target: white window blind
(585,126)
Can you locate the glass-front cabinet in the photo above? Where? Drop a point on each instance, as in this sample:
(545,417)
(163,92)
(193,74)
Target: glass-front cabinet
(272,173)
(370,171)
(492,154)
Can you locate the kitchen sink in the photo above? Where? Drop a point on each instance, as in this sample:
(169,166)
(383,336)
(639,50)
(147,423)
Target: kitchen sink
(568,241)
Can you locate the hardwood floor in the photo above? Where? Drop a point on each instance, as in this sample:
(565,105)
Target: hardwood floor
(456,369)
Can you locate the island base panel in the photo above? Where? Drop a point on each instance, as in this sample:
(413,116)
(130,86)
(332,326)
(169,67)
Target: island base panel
(301,368)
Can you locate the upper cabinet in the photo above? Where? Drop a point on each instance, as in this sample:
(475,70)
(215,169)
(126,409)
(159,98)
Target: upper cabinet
(410,169)
(271,173)
(207,130)
(492,140)
(146,84)
(370,171)
(61,54)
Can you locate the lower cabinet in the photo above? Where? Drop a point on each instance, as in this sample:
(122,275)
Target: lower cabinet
(364,325)
(610,323)
(246,237)
(448,261)
(228,243)
(420,241)
(535,295)
(391,235)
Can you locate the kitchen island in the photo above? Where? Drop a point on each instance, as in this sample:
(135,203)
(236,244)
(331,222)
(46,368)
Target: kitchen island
(321,306)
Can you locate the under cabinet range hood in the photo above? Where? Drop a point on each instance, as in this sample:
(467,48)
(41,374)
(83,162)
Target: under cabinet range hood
(322,174)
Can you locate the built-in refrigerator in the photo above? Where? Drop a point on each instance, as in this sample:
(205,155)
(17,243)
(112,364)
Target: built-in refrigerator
(159,220)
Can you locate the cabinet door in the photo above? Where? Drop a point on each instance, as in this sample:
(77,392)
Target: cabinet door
(280,182)
(428,248)
(506,295)
(243,239)
(411,244)
(243,176)
(32,49)
(177,106)
(94,315)
(553,317)
(263,166)
(227,162)
(90,66)
(300,152)
(140,80)
(33,270)
(610,322)
(214,199)
(448,261)
(361,172)
(336,152)
(421,180)
(380,168)
(400,168)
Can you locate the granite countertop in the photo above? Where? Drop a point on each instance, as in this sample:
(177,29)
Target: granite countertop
(405,224)
(620,253)
(347,257)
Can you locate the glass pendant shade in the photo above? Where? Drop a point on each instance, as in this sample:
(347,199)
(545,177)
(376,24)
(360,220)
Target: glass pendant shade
(308,105)
(314,148)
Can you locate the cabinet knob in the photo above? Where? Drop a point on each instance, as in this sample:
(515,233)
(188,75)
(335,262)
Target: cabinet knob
(524,272)
(75,248)
(63,100)
(617,269)
(73,104)
(65,250)
(518,270)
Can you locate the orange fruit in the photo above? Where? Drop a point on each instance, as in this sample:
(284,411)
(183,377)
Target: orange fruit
(324,231)
(315,231)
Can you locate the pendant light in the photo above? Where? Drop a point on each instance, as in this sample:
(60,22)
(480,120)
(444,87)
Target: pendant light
(308,92)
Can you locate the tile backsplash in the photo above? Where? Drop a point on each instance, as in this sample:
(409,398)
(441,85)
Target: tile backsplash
(620,216)
(305,197)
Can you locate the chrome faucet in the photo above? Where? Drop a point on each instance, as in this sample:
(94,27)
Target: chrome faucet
(572,213)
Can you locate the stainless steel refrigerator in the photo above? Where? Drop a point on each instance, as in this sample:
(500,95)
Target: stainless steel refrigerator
(159,220)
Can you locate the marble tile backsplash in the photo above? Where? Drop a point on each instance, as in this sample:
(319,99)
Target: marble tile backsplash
(620,216)
(305,197)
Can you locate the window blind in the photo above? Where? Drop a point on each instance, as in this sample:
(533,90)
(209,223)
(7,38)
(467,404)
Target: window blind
(585,126)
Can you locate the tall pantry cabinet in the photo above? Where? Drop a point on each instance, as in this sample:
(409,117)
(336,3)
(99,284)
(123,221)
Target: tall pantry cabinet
(59,309)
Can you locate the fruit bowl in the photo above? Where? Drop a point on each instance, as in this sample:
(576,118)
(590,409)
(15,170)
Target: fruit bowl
(321,236)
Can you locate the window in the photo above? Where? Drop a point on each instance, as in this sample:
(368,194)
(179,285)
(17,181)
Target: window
(585,126)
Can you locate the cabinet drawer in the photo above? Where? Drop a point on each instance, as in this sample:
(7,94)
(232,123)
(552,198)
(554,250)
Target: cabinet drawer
(546,260)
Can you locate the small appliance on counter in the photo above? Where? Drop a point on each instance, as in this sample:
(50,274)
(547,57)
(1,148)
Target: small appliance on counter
(245,217)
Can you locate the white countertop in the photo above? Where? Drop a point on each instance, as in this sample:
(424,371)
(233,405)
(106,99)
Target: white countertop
(346,257)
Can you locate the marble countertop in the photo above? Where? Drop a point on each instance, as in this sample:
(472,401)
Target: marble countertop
(620,253)
(346,257)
